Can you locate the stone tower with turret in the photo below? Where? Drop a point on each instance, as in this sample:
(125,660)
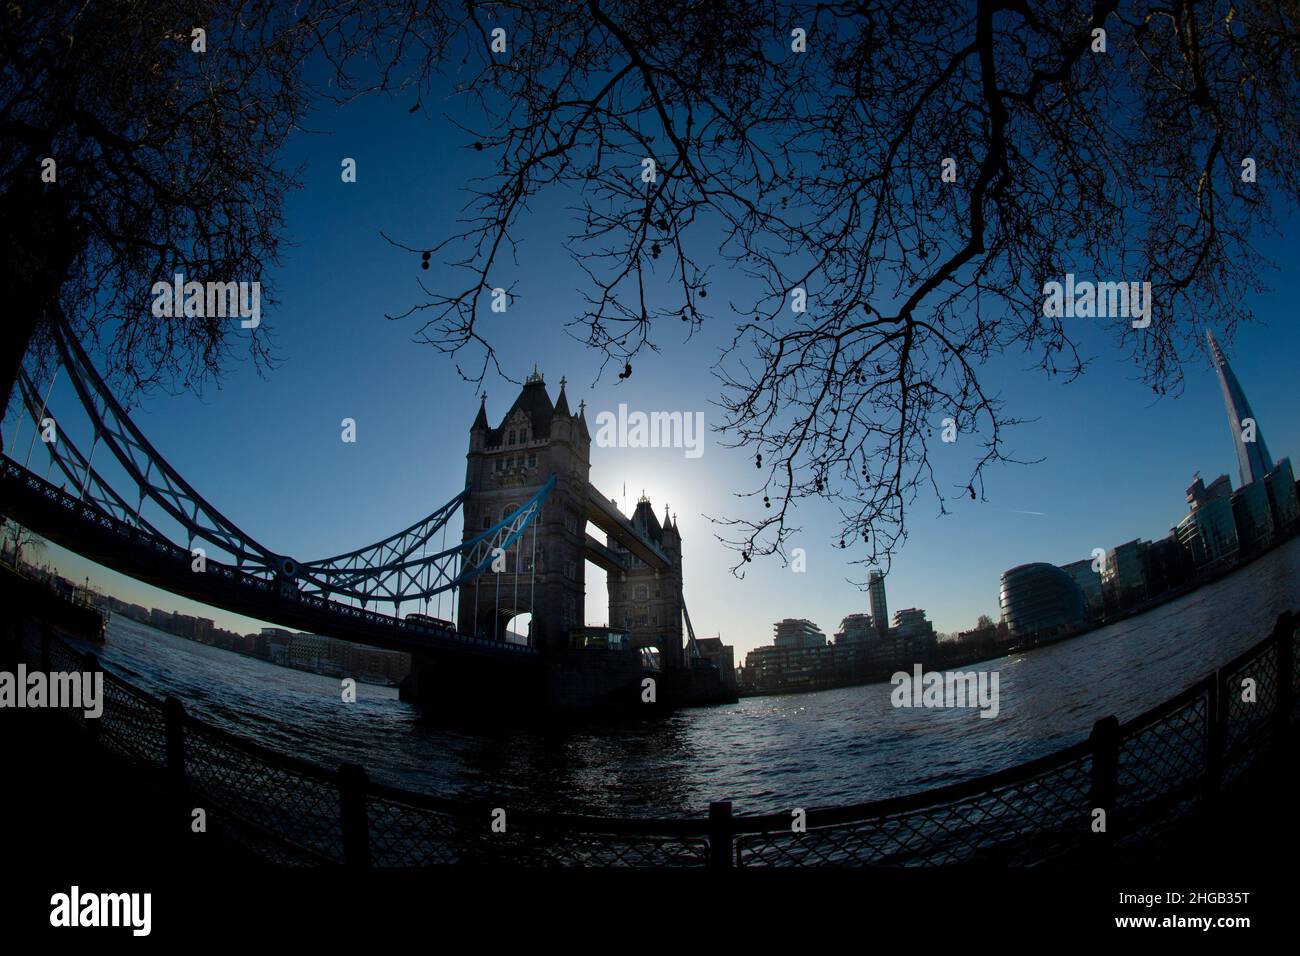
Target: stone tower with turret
(647,602)
(506,465)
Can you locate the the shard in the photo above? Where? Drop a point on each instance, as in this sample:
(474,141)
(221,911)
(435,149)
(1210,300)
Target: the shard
(1253,461)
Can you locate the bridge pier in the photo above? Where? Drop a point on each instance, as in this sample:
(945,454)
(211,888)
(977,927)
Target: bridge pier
(564,681)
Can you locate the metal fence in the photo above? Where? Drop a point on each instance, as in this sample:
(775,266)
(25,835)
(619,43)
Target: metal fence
(1148,775)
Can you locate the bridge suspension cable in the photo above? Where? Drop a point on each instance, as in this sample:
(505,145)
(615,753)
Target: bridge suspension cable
(398,578)
(76,466)
(153,475)
(391,571)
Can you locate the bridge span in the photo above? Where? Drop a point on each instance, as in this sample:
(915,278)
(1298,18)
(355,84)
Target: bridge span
(523,546)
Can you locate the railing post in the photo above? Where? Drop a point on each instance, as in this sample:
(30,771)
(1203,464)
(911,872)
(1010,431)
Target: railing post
(720,834)
(90,666)
(1105,778)
(356,823)
(1282,633)
(174,732)
(1215,713)
(174,728)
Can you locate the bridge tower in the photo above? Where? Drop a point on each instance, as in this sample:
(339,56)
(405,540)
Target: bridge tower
(646,601)
(505,466)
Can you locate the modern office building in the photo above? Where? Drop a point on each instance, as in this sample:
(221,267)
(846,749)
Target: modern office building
(799,656)
(798,632)
(911,622)
(856,629)
(1209,532)
(1253,516)
(879,607)
(1089,581)
(784,667)
(1040,599)
(1253,461)
(1282,499)
(1124,576)
(1168,565)
(914,631)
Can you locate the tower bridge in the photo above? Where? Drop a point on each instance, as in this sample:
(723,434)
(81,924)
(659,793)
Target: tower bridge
(525,509)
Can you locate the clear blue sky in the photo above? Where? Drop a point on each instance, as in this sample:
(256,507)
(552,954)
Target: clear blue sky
(268,452)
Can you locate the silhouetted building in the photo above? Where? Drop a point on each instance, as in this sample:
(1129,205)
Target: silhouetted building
(856,629)
(914,633)
(1168,565)
(1209,532)
(1253,461)
(1252,516)
(1040,599)
(879,607)
(1123,576)
(722,656)
(1090,583)
(1283,503)
(505,467)
(647,602)
(798,632)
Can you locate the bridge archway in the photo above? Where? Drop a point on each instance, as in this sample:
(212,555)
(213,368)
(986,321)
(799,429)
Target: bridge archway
(518,629)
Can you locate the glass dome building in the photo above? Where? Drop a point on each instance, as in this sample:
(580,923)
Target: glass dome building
(1040,598)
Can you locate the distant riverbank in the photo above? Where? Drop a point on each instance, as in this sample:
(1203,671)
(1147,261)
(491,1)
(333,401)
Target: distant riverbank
(953,661)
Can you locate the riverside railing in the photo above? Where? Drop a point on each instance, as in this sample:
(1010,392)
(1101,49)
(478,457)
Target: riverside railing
(1148,774)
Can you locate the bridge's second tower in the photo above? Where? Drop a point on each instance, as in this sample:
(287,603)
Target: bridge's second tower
(646,601)
(506,466)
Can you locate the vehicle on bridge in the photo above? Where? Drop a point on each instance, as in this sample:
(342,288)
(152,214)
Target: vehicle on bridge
(599,639)
(426,620)
(615,641)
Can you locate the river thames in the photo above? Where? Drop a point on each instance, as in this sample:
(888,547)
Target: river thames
(763,753)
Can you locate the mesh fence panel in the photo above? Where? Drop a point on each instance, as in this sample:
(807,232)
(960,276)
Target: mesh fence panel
(1165,755)
(404,835)
(290,813)
(1162,766)
(1247,716)
(268,797)
(132,724)
(1038,818)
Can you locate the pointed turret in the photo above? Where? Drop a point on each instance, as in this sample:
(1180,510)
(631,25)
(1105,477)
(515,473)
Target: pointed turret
(562,403)
(582,419)
(644,520)
(480,421)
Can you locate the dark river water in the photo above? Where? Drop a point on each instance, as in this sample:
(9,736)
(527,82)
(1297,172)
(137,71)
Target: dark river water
(764,753)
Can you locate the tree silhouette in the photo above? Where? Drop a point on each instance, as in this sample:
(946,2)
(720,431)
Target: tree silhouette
(164,161)
(22,539)
(912,173)
(1109,140)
